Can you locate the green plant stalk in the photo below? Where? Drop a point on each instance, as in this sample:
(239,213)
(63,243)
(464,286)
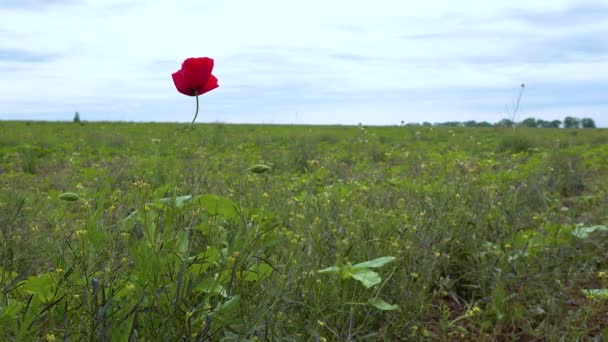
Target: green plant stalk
(196,112)
(193,120)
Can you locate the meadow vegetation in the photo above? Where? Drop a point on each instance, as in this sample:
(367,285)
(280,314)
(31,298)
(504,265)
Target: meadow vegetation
(115,232)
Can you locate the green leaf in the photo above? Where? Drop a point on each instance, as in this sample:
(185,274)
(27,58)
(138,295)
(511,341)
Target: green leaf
(258,272)
(584,232)
(258,168)
(376,262)
(366,276)
(177,201)
(229,304)
(12,309)
(224,313)
(204,260)
(9,315)
(69,197)
(217,205)
(596,293)
(332,269)
(43,285)
(211,285)
(182,242)
(382,305)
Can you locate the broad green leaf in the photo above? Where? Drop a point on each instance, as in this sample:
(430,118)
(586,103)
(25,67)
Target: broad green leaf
(332,269)
(12,309)
(9,315)
(382,305)
(258,272)
(258,168)
(217,205)
(203,261)
(596,293)
(366,276)
(211,285)
(69,197)
(42,285)
(182,243)
(224,313)
(181,200)
(229,304)
(376,262)
(584,232)
(177,201)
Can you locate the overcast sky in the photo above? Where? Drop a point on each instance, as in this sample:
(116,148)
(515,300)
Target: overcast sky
(314,61)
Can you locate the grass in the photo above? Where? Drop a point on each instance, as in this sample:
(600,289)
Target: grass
(495,234)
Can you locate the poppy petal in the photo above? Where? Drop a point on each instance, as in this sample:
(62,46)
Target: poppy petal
(195,76)
(178,80)
(197,71)
(210,85)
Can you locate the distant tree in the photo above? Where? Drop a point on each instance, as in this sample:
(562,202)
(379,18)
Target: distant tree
(77,118)
(484,124)
(588,123)
(505,123)
(555,124)
(570,122)
(471,123)
(449,124)
(426,123)
(529,122)
(543,123)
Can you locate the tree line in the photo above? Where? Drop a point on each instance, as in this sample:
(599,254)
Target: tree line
(568,122)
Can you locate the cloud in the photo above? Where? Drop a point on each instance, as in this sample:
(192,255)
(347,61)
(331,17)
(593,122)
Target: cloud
(31,4)
(574,15)
(23,56)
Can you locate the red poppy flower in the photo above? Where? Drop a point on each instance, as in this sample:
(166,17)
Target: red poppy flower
(194,78)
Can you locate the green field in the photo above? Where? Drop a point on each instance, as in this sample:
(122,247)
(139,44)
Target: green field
(129,231)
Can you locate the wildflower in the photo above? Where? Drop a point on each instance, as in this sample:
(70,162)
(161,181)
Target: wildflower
(195,78)
(129,288)
(476,310)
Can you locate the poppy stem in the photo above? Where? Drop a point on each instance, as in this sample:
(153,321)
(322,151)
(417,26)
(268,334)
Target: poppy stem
(192,123)
(196,112)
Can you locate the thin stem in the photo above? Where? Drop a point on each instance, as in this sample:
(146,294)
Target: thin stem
(192,123)
(195,113)
(516,107)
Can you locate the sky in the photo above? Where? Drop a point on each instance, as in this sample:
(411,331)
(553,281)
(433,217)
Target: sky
(305,62)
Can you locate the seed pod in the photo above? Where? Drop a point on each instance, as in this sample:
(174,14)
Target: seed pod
(69,196)
(259,168)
